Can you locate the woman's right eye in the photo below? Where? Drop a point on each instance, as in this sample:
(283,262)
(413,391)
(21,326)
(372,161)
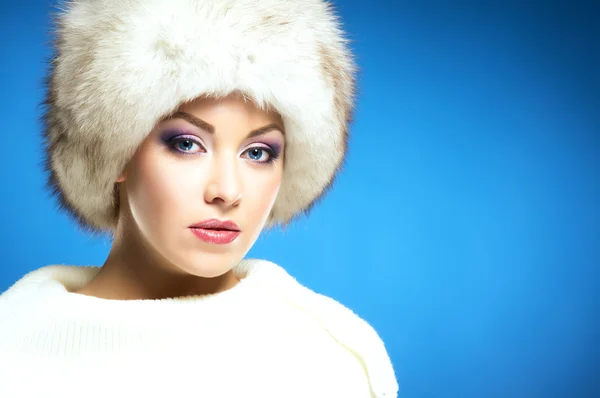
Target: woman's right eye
(186,146)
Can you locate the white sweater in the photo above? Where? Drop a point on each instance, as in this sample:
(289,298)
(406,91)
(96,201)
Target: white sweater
(268,336)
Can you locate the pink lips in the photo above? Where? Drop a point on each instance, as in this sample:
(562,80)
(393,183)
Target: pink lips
(216,231)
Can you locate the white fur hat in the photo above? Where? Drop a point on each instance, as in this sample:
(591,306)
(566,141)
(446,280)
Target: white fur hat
(123,65)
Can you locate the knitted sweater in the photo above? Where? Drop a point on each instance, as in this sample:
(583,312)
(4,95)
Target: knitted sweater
(268,336)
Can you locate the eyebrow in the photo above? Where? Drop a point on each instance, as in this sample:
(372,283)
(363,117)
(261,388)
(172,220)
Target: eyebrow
(211,129)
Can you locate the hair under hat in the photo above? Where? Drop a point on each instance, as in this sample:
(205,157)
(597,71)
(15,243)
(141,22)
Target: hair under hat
(121,66)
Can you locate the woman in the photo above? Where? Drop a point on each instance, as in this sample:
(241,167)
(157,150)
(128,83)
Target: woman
(183,128)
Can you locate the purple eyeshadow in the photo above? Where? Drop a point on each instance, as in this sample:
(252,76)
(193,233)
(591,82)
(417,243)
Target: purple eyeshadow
(168,135)
(275,146)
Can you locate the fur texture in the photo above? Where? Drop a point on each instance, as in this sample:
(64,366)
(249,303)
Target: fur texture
(122,65)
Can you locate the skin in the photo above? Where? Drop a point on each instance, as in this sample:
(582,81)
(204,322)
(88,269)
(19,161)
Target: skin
(163,191)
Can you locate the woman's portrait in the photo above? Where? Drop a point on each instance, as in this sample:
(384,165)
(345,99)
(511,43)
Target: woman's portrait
(179,131)
(300,198)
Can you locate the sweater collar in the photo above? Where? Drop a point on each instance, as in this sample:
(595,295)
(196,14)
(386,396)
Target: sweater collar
(59,281)
(37,289)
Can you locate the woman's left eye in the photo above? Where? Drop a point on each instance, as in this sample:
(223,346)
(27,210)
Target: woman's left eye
(260,155)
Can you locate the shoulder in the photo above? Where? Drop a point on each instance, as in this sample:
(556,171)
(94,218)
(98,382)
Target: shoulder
(345,326)
(26,285)
(40,284)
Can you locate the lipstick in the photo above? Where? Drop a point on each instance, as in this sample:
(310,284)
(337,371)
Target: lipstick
(216,231)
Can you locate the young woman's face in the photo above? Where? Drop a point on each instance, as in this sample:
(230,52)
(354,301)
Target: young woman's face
(213,159)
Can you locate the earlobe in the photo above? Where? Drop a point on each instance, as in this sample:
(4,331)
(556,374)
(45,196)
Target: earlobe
(122,177)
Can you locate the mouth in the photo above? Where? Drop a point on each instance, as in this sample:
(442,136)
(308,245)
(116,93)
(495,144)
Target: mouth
(217,225)
(218,237)
(216,231)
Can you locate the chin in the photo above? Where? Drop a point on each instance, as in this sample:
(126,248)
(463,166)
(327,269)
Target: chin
(208,272)
(208,265)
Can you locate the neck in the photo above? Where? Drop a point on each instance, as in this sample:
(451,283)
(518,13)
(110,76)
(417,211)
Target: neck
(134,271)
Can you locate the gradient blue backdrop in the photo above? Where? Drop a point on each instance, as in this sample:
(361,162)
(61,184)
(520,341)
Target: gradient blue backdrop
(465,225)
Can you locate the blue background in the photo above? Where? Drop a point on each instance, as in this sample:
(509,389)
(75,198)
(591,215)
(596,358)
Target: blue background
(465,225)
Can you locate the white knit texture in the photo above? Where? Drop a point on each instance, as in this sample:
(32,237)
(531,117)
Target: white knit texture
(269,336)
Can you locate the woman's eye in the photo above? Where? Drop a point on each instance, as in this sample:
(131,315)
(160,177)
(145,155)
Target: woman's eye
(186,145)
(259,155)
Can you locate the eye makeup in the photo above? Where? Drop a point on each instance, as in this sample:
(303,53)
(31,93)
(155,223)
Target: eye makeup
(170,134)
(172,139)
(175,136)
(272,145)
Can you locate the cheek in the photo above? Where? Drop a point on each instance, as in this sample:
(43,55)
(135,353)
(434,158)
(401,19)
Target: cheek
(160,189)
(262,194)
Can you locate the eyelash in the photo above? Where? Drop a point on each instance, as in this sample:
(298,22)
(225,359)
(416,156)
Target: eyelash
(172,144)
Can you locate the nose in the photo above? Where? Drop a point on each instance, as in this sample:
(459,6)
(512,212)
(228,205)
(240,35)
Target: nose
(224,183)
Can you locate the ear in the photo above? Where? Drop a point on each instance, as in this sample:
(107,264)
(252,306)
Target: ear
(122,177)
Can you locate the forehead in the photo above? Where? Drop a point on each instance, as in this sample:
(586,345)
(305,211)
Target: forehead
(232,108)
